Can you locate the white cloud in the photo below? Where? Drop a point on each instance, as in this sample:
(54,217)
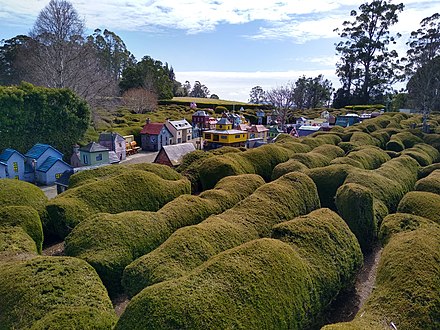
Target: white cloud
(237,85)
(297,20)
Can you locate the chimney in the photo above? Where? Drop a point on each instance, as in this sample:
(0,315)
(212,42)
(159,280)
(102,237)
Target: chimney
(75,148)
(148,120)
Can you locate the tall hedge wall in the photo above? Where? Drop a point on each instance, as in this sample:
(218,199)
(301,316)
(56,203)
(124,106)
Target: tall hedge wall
(109,242)
(291,195)
(133,190)
(53,293)
(21,193)
(282,283)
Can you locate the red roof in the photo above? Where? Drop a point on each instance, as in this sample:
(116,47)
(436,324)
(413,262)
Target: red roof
(258,128)
(152,128)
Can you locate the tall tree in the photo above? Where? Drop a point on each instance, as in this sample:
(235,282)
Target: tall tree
(149,74)
(424,88)
(283,100)
(60,56)
(199,90)
(257,95)
(312,92)
(367,67)
(424,44)
(11,70)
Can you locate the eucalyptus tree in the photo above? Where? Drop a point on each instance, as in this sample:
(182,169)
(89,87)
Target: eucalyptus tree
(367,66)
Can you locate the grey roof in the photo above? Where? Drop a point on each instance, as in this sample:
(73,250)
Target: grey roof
(176,152)
(110,136)
(180,124)
(93,147)
(224,121)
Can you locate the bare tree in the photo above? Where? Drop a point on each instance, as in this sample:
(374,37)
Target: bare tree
(140,100)
(282,99)
(60,56)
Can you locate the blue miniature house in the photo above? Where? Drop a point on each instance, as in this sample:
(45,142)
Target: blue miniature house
(12,164)
(51,170)
(35,158)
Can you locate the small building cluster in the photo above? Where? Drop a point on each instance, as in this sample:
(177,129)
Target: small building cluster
(42,164)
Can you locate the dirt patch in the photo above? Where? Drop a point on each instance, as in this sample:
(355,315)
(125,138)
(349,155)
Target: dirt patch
(120,302)
(345,307)
(54,250)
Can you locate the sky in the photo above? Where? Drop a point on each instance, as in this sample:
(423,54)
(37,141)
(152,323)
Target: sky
(228,45)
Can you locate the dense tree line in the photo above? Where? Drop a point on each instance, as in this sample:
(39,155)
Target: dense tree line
(31,114)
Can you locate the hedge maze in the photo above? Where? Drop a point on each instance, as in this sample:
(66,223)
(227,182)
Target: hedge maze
(265,238)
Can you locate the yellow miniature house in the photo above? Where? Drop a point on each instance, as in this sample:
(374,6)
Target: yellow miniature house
(224,135)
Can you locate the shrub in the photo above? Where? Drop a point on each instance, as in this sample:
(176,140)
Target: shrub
(25,217)
(406,290)
(109,242)
(382,137)
(14,241)
(426,170)
(367,196)
(259,161)
(292,165)
(421,203)
(431,183)
(361,138)
(402,140)
(291,195)
(265,283)
(327,180)
(423,153)
(35,291)
(134,190)
(106,172)
(21,193)
(368,157)
(433,140)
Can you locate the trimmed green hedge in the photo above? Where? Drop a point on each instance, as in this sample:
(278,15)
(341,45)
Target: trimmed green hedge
(14,242)
(25,217)
(327,180)
(106,172)
(109,242)
(423,153)
(402,140)
(291,195)
(426,170)
(367,196)
(366,157)
(21,193)
(431,183)
(133,190)
(361,138)
(262,284)
(407,287)
(35,292)
(318,157)
(261,161)
(421,203)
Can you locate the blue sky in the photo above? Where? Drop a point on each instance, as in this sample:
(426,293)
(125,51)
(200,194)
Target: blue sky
(228,45)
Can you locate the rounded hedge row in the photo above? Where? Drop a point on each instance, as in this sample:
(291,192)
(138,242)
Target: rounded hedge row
(423,153)
(367,196)
(14,242)
(34,292)
(433,140)
(421,203)
(21,193)
(327,180)
(261,161)
(266,283)
(362,138)
(134,190)
(291,195)
(106,172)
(431,183)
(406,294)
(25,217)
(366,157)
(402,140)
(318,157)
(109,242)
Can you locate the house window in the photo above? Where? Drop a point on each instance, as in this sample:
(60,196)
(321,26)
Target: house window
(179,140)
(85,160)
(221,126)
(120,145)
(207,136)
(215,137)
(58,175)
(16,177)
(99,157)
(15,164)
(237,136)
(224,137)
